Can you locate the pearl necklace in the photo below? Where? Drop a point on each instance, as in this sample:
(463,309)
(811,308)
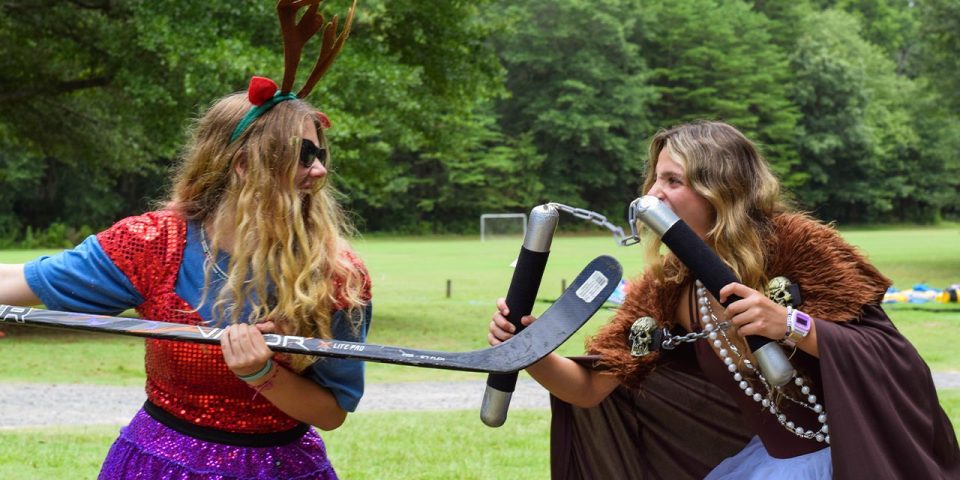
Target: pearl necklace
(709,321)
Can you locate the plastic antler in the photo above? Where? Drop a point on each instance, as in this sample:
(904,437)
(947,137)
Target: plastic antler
(296,34)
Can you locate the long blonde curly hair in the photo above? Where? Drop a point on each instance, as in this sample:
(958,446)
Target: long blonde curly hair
(723,166)
(287,257)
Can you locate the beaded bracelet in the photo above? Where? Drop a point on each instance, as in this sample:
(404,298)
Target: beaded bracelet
(260,373)
(267,385)
(786,334)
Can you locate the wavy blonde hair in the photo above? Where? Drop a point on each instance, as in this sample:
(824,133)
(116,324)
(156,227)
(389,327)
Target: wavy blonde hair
(724,167)
(288,246)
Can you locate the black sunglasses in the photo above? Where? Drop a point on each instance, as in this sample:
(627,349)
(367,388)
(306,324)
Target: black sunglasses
(309,152)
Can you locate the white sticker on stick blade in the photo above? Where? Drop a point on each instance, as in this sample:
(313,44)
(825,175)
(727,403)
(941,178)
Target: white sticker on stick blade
(592,287)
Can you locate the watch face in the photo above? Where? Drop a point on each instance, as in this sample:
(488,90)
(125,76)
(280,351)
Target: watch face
(802,322)
(798,327)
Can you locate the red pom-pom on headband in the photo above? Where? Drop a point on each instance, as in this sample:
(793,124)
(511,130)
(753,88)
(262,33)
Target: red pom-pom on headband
(263,93)
(261,89)
(324,120)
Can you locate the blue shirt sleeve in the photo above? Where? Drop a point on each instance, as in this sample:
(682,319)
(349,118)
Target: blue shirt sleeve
(83,279)
(343,377)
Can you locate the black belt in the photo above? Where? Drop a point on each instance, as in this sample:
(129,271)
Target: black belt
(207,434)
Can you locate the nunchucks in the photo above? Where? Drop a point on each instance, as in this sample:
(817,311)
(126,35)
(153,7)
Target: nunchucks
(520,298)
(705,265)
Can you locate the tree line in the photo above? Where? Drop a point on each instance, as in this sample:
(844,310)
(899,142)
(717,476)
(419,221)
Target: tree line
(445,110)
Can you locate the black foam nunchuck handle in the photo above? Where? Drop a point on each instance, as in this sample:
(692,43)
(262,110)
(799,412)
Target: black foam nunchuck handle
(521,296)
(705,266)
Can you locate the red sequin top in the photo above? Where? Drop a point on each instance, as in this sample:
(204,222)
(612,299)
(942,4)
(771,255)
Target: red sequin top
(190,381)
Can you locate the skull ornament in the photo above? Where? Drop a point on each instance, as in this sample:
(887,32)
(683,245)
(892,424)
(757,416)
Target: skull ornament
(778,290)
(641,336)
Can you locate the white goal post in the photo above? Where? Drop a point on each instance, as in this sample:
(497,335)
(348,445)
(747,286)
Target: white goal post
(488,216)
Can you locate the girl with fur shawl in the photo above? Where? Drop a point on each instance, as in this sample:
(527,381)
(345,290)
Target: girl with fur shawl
(862,403)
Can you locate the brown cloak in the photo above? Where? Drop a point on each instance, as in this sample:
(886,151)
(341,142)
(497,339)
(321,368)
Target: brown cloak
(668,422)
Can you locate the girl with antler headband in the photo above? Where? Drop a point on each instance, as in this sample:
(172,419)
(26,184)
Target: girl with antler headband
(250,239)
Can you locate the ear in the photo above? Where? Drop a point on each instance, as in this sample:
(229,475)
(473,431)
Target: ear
(240,165)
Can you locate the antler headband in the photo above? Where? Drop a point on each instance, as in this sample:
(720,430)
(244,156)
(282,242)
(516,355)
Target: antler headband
(263,92)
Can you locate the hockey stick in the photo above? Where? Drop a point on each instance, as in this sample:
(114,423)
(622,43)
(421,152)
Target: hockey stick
(578,303)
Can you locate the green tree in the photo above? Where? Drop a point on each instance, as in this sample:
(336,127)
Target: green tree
(578,87)
(934,166)
(420,149)
(889,24)
(94,96)
(938,115)
(716,60)
(858,146)
(97,94)
(939,58)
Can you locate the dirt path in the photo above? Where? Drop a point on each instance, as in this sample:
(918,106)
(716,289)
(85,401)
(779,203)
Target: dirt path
(34,404)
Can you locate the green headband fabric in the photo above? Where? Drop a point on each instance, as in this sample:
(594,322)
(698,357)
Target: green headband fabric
(255,113)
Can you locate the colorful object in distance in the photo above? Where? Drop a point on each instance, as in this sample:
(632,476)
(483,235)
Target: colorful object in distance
(620,293)
(922,293)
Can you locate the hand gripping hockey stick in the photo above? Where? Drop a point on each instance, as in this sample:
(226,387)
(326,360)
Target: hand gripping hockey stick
(712,272)
(577,304)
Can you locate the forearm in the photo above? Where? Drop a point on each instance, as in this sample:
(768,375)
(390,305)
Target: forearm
(572,382)
(14,289)
(302,399)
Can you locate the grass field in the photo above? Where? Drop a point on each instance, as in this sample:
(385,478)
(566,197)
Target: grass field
(383,446)
(411,309)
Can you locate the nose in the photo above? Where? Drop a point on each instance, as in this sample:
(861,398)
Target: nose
(317,169)
(656,191)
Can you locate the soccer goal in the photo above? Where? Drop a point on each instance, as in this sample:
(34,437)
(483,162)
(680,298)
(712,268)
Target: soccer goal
(497,224)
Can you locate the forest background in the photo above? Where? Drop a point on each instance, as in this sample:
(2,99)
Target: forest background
(445,110)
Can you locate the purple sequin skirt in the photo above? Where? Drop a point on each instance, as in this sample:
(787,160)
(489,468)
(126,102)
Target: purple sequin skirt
(147,449)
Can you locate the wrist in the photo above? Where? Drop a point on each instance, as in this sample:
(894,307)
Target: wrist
(258,376)
(267,380)
(799,325)
(265,383)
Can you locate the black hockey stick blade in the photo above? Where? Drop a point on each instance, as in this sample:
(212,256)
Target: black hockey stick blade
(577,304)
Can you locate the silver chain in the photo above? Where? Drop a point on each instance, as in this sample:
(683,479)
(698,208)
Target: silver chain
(672,341)
(209,256)
(590,216)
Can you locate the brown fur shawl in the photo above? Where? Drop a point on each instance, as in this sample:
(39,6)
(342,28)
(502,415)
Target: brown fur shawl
(835,281)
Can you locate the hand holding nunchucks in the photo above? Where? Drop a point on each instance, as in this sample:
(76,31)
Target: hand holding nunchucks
(520,299)
(705,265)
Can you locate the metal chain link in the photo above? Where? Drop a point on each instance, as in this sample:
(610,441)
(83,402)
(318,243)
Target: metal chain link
(670,341)
(590,216)
(673,341)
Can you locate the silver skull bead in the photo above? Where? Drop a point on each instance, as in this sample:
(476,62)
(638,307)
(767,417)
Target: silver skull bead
(641,336)
(778,290)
